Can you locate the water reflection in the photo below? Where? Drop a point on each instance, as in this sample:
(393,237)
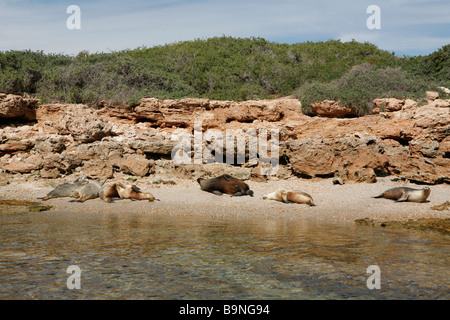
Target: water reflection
(139,256)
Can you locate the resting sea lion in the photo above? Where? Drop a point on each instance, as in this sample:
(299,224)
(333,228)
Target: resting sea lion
(133,192)
(88,191)
(108,192)
(120,190)
(406,194)
(225,184)
(288,196)
(65,189)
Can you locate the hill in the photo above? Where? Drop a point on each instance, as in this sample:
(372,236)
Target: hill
(225,68)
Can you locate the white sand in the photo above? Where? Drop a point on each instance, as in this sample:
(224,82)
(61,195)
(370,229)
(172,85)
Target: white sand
(334,203)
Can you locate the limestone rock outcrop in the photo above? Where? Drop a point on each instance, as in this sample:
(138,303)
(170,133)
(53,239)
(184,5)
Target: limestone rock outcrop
(213,114)
(332,109)
(15,106)
(400,139)
(78,121)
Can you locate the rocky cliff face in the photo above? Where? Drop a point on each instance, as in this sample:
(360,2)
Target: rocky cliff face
(401,139)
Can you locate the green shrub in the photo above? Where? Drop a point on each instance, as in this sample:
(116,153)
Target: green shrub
(21,71)
(220,68)
(361,85)
(114,78)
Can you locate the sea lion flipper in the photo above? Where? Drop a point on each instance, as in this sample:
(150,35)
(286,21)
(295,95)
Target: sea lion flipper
(217,193)
(75,194)
(402,198)
(227,177)
(119,184)
(135,188)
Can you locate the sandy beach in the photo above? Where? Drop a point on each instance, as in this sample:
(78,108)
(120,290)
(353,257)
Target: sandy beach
(334,203)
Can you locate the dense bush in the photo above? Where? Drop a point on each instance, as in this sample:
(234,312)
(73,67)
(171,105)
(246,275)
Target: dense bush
(435,66)
(361,85)
(21,71)
(238,69)
(114,78)
(216,68)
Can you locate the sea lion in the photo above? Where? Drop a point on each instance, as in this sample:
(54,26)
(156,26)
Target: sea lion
(406,194)
(133,192)
(65,189)
(120,190)
(88,191)
(287,196)
(225,184)
(108,192)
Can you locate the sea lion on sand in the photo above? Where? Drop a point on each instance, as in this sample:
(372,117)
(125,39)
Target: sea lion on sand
(406,194)
(225,184)
(133,192)
(108,192)
(88,191)
(120,190)
(287,196)
(65,189)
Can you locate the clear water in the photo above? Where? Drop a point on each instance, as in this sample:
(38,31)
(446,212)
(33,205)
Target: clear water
(141,256)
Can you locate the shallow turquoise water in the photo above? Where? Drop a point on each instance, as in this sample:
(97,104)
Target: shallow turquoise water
(141,256)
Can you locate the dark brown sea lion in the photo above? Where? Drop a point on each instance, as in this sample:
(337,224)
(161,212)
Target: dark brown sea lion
(406,194)
(225,184)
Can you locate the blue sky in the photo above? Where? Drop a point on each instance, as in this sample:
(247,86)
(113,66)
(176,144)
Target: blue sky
(413,27)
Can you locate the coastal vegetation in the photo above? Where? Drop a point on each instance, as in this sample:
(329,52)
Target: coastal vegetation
(227,68)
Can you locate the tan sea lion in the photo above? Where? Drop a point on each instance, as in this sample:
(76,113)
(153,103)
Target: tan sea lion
(406,194)
(108,192)
(65,189)
(225,184)
(120,190)
(90,190)
(133,192)
(287,196)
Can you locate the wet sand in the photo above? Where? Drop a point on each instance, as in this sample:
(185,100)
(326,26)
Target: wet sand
(334,203)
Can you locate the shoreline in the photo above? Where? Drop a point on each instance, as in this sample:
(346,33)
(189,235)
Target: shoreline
(334,203)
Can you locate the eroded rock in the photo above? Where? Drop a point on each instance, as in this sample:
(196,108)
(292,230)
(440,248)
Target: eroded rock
(15,106)
(332,109)
(408,141)
(78,121)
